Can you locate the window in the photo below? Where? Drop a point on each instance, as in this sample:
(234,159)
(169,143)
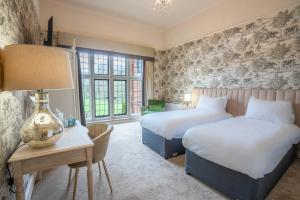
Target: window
(101,98)
(119,66)
(100,64)
(112,86)
(136,67)
(120,97)
(85,63)
(136,95)
(86,93)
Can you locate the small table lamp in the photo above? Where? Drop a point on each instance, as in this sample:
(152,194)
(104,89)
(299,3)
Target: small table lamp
(34,67)
(187,98)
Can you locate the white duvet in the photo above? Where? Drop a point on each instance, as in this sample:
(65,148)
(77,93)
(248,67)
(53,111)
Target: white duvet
(174,124)
(253,147)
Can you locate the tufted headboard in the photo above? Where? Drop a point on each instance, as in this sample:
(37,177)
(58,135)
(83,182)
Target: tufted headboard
(238,98)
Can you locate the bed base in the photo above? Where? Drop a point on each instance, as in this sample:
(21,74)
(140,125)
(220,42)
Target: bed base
(233,184)
(162,146)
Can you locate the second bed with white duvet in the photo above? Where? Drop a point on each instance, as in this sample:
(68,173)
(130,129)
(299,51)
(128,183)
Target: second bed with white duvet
(250,146)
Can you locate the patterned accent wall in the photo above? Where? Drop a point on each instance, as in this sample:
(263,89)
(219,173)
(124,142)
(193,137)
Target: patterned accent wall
(18,24)
(264,53)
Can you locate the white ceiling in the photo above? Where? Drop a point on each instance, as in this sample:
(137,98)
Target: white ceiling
(142,10)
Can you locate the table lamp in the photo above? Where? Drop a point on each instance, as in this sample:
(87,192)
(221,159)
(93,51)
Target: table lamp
(35,67)
(187,98)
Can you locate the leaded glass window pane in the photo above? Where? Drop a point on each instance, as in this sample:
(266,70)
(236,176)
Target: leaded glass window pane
(136,67)
(119,66)
(86,93)
(100,64)
(120,97)
(84,58)
(136,96)
(101,98)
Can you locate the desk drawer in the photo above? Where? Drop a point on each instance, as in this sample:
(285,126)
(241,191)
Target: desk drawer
(51,161)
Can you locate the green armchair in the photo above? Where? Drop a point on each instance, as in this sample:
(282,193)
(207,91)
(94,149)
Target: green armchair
(153,106)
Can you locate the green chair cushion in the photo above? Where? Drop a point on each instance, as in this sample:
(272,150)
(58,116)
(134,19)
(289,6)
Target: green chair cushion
(156,102)
(154,107)
(148,112)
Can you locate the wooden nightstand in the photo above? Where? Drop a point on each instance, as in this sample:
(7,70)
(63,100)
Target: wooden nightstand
(176,106)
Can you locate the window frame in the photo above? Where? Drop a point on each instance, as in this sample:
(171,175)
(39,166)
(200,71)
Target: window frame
(93,66)
(111,77)
(126,97)
(94,97)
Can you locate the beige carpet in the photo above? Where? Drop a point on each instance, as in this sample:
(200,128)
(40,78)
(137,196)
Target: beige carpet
(137,173)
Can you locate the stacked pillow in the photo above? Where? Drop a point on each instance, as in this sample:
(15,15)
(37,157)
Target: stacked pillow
(274,111)
(212,104)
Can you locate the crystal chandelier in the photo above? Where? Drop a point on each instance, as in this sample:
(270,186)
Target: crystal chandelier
(162,6)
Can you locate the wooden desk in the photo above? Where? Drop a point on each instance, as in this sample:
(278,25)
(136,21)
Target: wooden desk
(73,146)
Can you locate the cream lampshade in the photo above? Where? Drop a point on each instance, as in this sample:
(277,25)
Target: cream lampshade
(34,67)
(187,98)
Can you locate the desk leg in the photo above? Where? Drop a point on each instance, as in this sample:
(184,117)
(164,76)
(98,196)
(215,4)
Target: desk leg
(18,179)
(89,155)
(39,176)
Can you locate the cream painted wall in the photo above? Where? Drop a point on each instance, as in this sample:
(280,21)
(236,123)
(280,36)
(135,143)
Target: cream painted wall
(223,15)
(106,45)
(76,20)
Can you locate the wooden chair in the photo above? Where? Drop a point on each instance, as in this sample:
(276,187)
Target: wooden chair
(100,134)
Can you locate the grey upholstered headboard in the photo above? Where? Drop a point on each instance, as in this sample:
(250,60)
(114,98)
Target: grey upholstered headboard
(238,98)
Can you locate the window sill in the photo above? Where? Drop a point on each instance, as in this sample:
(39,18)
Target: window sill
(116,120)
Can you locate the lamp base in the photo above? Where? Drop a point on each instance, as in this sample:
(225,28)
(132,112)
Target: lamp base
(187,104)
(43,128)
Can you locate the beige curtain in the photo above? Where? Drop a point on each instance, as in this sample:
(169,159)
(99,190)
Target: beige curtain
(148,81)
(67,101)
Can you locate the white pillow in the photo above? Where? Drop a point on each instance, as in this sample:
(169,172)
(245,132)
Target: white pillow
(212,104)
(275,111)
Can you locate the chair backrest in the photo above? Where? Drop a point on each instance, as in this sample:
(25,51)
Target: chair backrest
(156,102)
(100,134)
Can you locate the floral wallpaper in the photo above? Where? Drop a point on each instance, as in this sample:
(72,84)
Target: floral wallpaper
(264,53)
(18,24)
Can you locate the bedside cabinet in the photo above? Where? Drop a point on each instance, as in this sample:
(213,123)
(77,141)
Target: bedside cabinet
(176,106)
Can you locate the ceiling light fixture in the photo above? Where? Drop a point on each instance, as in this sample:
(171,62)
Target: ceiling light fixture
(162,6)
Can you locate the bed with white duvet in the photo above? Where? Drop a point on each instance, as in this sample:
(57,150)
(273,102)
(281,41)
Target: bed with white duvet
(244,157)
(163,131)
(173,124)
(250,146)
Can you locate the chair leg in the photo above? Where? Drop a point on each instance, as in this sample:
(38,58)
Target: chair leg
(99,168)
(70,174)
(107,176)
(75,184)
